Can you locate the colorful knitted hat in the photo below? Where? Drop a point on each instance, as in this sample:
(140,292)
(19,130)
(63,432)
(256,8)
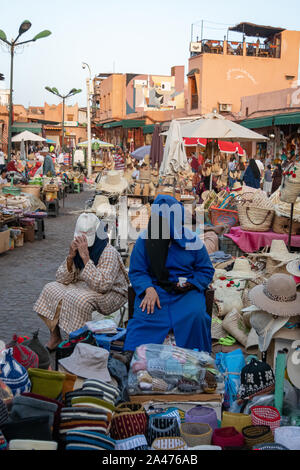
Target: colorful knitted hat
(202,414)
(13,374)
(23,354)
(35,345)
(3,443)
(256,377)
(48,383)
(36,427)
(227,437)
(88,440)
(5,393)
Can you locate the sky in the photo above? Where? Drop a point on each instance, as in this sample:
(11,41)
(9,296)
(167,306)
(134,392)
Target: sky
(125,36)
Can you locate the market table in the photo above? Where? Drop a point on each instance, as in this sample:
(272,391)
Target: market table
(250,242)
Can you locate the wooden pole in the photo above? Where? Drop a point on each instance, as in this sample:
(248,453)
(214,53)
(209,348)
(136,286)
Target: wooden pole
(291,225)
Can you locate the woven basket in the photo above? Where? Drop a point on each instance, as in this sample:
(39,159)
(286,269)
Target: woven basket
(255,219)
(223,216)
(237,420)
(265,415)
(290,186)
(257,435)
(281,224)
(169,443)
(196,434)
(233,323)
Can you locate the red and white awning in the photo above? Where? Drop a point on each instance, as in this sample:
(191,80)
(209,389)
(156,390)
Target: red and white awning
(224,146)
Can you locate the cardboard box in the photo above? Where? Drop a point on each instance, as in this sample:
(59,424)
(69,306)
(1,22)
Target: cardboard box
(183,402)
(282,339)
(4,241)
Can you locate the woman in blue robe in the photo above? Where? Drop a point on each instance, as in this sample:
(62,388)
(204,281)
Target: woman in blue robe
(162,254)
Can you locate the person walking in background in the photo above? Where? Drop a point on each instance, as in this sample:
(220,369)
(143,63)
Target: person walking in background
(268,180)
(252,175)
(277,176)
(231,172)
(119,160)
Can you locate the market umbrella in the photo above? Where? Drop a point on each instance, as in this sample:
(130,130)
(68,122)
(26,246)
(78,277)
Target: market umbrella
(96,143)
(27,136)
(216,127)
(174,157)
(157,148)
(141,152)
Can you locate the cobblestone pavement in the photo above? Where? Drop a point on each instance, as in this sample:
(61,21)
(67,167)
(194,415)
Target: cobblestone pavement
(25,270)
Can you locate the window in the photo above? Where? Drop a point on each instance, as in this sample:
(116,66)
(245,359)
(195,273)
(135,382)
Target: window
(247,112)
(70,117)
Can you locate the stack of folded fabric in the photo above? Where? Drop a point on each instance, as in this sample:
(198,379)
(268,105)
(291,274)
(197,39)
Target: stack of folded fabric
(102,326)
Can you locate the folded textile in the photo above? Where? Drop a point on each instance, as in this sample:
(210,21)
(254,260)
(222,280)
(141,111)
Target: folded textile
(219,256)
(26,407)
(102,326)
(28,428)
(88,440)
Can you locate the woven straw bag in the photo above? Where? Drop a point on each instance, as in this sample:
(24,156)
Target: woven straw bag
(196,434)
(234,324)
(257,435)
(169,443)
(281,224)
(237,420)
(265,415)
(255,212)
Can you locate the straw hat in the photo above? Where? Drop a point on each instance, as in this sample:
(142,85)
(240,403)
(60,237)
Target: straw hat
(293,267)
(277,296)
(102,207)
(113,182)
(279,252)
(265,326)
(236,186)
(241,270)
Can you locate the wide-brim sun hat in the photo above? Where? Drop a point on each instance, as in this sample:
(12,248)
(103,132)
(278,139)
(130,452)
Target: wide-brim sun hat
(241,270)
(113,183)
(87,361)
(266,326)
(278,296)
(279,252)
(293,267)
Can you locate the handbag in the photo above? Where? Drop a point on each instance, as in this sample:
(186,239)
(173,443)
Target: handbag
(129,420)
(162,427)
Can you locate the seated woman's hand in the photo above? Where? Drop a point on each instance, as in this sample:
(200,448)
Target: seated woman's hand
(73,249)
(150,300)
(82,247)
(185,287)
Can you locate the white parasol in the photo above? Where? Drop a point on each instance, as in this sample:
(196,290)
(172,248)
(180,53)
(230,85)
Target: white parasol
(174,158)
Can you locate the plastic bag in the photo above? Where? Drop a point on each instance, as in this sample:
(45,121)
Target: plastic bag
(163,369)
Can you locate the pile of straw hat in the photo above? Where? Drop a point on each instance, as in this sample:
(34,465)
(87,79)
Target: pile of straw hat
(113,183)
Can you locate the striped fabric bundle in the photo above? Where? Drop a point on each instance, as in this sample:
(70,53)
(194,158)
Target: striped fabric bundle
(84,419)
(110,393)
(88,440)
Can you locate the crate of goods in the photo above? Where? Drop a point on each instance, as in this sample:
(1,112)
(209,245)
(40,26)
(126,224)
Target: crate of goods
(29,233)
(4,241)
(229,247)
